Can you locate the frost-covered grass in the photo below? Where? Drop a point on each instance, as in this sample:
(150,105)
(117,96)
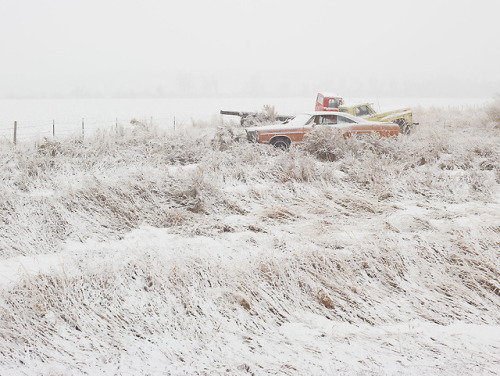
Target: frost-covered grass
(142,252)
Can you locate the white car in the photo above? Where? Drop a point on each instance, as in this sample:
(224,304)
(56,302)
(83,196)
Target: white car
(283,135)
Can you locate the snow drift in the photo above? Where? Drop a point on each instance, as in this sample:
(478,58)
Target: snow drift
(155,253)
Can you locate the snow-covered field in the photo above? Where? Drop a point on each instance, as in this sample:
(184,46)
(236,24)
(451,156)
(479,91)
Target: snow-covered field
(146,251)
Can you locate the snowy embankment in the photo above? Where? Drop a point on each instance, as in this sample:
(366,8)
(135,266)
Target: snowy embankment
(146,253)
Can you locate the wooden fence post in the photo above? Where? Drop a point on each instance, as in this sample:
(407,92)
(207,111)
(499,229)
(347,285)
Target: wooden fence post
(15,132)
(53,128)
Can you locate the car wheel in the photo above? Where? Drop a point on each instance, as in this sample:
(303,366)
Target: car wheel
(281,143)
(403,125)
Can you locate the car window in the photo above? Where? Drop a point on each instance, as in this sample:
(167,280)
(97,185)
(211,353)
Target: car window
(362,111)
(342,119)
(333,103)
(325,119)
(329,119)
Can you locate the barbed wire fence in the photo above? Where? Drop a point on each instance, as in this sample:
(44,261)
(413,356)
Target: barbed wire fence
(54,129)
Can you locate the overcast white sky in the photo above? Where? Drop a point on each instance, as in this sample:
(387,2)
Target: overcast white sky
(249,48)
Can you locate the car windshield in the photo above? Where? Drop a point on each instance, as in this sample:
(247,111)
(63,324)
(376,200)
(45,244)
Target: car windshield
(300,120)
(333,103)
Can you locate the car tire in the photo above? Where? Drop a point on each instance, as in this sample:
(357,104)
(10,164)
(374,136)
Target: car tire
(281,143)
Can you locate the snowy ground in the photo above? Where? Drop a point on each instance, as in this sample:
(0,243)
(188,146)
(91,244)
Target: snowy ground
(140,252)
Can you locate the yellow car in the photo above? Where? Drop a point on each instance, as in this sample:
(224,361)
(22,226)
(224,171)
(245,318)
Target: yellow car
(402,117)
(333,102)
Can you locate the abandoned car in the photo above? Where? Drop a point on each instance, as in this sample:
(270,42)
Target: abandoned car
(292,132)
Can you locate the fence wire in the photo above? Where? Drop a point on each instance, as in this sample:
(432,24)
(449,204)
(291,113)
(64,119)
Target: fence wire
(62,128)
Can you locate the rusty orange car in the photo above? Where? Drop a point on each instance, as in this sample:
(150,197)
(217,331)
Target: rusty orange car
(294,131)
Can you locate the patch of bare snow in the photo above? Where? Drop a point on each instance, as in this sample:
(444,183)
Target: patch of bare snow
(13,269)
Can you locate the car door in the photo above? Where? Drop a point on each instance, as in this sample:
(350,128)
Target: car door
(348,126)
(319,121)
(309,125)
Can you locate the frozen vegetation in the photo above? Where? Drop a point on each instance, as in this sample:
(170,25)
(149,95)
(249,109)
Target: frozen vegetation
(146,252)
